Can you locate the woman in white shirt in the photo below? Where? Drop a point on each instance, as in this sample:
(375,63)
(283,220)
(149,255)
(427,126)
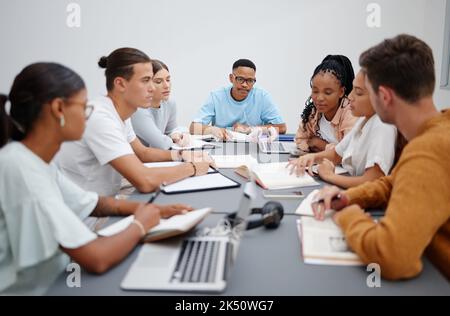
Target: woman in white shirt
(109,149)
(41,211)
(367,152)
(157,126)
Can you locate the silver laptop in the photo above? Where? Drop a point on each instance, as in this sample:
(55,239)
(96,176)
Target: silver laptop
(277,147)
(196,264)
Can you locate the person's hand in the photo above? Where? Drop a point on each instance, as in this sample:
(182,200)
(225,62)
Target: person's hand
(256,134)
(329,198)
(272,132)
(181,139)
(326,169)
(220,133)
(198,156)
(167,211)
(316,144)
(148,215)
(301,164)
(242,128)
(201,168)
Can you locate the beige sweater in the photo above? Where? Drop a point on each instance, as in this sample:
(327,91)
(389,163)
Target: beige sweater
(417,219)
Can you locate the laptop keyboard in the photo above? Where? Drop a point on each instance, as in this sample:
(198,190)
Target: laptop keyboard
(197,262)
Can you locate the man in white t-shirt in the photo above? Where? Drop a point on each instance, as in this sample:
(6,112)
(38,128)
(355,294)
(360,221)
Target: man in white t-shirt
(109,149)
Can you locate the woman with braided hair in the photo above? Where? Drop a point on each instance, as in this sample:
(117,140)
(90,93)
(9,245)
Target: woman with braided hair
(327,118)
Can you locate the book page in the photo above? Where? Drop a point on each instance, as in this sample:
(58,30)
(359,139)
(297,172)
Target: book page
(324,243)
(305,208)
(277,176)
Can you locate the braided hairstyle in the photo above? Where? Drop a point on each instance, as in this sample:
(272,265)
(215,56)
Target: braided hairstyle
(340,67)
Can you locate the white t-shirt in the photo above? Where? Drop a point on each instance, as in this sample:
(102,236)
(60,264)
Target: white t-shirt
(327,131)
(40,210)
(106,138)
(367,144)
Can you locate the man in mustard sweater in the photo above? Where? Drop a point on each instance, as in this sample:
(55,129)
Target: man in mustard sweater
(400,77)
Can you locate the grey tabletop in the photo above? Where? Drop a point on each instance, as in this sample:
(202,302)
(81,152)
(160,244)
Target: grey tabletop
(269,261)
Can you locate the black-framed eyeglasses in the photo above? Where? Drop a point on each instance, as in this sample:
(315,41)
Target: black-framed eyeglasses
(88,108)
(241,80)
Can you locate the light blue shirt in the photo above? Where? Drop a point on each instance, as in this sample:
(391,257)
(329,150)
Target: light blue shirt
(223,111)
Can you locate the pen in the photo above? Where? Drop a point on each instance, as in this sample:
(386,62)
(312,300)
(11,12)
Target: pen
(155,195)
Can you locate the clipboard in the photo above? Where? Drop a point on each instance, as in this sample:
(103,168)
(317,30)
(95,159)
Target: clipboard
(208,182)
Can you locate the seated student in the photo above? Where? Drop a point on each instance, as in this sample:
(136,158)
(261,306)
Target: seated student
(400,77)
(327,118)
(238,107)
(367,152)
(109,148)
(41,211)
(157,126)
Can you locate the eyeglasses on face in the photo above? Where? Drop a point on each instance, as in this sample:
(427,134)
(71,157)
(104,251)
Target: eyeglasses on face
(88,108)
(241,80)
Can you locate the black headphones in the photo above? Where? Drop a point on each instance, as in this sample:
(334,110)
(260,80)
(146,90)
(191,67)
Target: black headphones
(272,213)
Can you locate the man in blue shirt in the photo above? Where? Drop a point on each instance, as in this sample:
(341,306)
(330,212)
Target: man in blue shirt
(238,107)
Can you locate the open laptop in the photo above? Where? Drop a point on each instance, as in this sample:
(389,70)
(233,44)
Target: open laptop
(195,264)
(277,147)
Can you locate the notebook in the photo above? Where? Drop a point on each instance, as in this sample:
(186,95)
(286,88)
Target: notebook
(323,243)
(272,176)
(231,162)
(173,226)
(212,181)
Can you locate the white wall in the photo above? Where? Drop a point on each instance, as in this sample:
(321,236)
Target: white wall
(200,39)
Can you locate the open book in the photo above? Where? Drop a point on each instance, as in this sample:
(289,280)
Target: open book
(272,176)
(305,209)
(323,243)
(176,225)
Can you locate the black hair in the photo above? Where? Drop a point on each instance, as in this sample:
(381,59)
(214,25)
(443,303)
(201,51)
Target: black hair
(340,67)
(34,86)
(120,64)
(157,65)
(244,63)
